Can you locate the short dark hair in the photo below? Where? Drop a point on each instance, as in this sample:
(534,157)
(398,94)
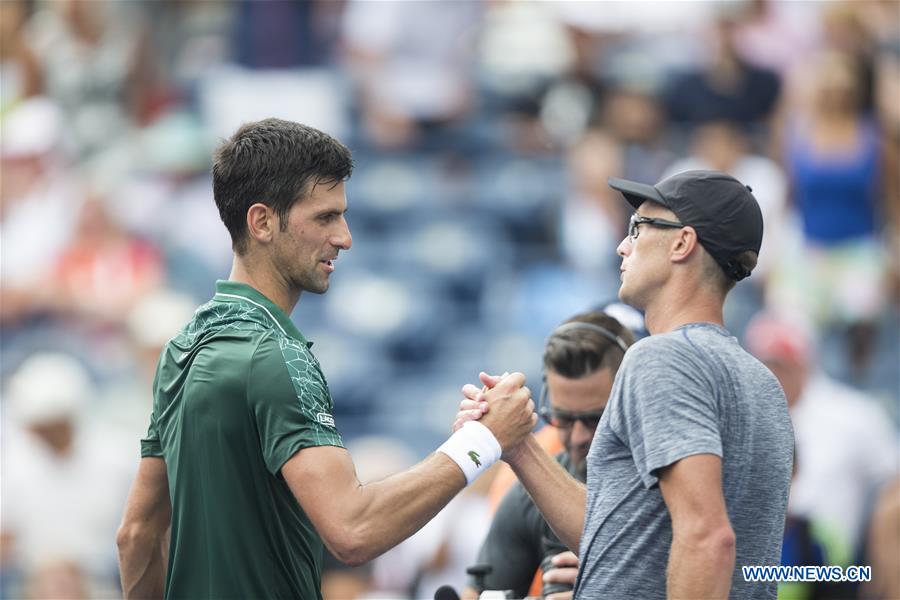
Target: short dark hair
(276,163)
(720,279)
(576,352)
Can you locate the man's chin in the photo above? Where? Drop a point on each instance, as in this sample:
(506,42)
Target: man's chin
(318,287)
(628,299)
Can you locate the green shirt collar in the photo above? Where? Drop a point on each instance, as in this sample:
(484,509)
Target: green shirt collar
(233,291)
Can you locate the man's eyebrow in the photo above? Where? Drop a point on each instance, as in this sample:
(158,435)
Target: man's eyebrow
(331,211)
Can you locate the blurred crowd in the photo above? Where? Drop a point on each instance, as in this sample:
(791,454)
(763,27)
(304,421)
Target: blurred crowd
(483,133)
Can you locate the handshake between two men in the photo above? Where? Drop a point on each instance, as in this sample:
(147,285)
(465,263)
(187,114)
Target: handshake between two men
(501,405)
(513,417)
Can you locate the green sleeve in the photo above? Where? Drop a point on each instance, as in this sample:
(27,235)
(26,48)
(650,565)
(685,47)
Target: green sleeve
(150,444)
(290,401)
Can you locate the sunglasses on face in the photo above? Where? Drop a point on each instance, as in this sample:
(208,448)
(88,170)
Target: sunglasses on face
(563,419)
(637,219)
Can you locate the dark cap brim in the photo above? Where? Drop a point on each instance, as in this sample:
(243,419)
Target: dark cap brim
(636,193)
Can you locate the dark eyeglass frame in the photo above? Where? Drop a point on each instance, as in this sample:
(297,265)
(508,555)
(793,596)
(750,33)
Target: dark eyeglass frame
(637,219)
(563,419)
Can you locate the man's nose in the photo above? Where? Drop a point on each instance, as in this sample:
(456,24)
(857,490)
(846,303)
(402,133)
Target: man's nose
(344,239)
(624,247)
(581,433)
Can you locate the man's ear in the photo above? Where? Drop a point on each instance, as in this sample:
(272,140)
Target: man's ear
(261,223)
(684,244)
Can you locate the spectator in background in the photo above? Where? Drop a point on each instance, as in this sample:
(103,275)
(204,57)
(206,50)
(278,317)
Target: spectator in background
(20,75)
(833,157)
(592,217)
(635,118)
(845,31)
(96,65)
(726,146)
(725,88)
(779,36)
(282,34)
(883,547)
(105,270)
(846,448)
(810,543)
(64,483)
(39,203)
(128,396)
(412,63)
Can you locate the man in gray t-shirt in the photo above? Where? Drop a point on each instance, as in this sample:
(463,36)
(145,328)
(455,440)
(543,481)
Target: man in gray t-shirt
(689,469)
(687,392)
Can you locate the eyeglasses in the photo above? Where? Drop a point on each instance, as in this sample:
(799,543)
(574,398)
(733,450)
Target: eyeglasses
(637,219)
(563,419)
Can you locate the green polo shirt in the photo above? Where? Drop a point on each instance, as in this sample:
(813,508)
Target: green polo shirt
(237,393)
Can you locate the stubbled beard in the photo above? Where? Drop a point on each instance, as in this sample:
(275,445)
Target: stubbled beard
(307,281)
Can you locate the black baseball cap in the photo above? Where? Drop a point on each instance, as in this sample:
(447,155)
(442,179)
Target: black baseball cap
(720,208)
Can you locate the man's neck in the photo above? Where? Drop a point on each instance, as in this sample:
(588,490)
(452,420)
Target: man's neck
(673,308)
(263,280)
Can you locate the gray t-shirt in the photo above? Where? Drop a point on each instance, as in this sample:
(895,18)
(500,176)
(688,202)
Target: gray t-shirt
(690,391)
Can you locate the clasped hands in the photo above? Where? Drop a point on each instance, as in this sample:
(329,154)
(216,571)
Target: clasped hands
(503,405)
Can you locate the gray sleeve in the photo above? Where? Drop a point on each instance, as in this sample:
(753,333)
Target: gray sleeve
(513,544)
(668,408)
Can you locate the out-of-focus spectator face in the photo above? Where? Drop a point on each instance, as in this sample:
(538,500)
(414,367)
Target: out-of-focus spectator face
(844,28)
(575,397)
(837,87)
(46,392)
(785,348)
(12,17)
(85,18)
(633,116)
(721,144)
(58,434)
(594,159)
(30,141)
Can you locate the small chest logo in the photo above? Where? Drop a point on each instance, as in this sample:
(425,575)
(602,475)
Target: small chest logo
(325,419)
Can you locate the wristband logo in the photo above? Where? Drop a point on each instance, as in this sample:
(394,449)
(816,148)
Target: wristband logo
(474,456)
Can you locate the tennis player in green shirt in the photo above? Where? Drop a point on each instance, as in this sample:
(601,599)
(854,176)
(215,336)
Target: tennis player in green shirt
(243,475)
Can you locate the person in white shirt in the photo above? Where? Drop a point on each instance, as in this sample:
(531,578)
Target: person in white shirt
(846,446)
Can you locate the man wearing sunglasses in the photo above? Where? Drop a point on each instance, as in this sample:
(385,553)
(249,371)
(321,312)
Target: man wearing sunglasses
(690,466)
(580,361)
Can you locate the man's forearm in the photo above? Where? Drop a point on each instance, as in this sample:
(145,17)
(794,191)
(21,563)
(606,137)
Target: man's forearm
(394,508)
(701,568)
(560,497)
(142,566)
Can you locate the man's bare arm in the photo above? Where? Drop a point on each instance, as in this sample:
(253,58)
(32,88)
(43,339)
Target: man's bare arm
(143,536)
(701,559)
(560,497)
(359,522)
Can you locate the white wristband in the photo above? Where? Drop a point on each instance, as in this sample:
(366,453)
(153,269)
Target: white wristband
(473,448)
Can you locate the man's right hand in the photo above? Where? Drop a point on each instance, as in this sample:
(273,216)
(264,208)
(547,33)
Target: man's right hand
(474,405)
(511,416)
(565,571)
